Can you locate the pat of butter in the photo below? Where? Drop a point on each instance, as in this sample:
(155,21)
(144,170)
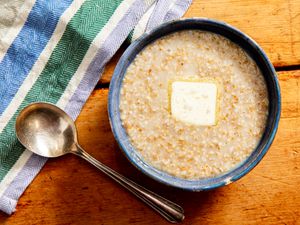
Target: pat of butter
(194,102)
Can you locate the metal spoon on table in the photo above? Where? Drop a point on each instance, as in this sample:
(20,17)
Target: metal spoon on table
(48,131)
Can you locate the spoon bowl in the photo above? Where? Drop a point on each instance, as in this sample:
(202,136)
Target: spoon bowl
(48,131)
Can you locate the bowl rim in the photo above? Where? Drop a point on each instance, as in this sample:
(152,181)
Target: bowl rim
(119,131)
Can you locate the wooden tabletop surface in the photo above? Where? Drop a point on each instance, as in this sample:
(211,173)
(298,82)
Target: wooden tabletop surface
(70,191)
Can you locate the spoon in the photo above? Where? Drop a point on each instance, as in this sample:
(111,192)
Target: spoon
(48,131)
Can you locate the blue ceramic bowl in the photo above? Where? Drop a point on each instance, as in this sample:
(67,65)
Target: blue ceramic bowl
(251,47)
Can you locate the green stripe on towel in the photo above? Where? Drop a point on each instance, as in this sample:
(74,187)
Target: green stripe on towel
(62,65)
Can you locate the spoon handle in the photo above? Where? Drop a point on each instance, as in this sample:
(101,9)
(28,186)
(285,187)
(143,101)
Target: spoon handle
(169,210)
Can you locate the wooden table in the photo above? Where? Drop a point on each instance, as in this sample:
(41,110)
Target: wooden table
(70,191)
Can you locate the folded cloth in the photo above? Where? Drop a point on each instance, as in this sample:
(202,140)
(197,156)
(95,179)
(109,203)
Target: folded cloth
(55,51)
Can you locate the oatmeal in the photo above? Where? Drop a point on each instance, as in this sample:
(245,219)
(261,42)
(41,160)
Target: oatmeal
(183,149)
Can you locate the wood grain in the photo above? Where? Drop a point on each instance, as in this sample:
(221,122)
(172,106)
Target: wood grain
(70,191)
(273,24)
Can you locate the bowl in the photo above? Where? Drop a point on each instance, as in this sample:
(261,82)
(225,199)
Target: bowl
(253,50)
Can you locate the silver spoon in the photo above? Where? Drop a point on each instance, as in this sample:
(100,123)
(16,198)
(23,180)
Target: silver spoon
(48,131)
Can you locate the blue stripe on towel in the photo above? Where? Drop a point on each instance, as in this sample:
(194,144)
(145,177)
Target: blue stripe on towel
(27,46)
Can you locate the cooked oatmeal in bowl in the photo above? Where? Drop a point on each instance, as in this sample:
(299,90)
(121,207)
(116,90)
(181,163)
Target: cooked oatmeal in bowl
(184,149)
(194,106)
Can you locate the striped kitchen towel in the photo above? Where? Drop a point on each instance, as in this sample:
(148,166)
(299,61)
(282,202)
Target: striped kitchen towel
(55,51)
